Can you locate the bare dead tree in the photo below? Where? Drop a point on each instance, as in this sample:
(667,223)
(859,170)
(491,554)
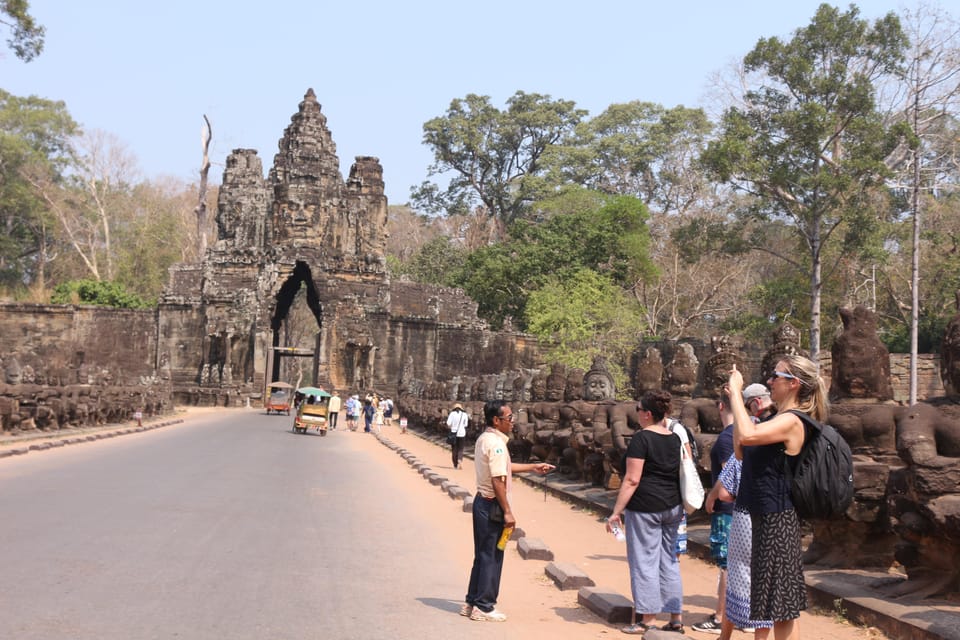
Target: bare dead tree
(201,209)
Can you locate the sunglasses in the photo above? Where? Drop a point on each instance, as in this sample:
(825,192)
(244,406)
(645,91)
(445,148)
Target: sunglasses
(784,374)
(510,418)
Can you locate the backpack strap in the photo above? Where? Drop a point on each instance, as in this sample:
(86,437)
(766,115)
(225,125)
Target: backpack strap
(817,428)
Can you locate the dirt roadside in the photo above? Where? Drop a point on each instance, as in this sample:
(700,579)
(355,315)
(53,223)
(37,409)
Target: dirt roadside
(577,536)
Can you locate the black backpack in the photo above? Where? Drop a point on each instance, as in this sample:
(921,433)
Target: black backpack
(821,476)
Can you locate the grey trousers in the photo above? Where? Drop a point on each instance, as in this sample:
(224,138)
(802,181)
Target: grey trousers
(652,558)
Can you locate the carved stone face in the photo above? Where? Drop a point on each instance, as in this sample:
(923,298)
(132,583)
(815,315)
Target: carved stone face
(596,386)
(538,388)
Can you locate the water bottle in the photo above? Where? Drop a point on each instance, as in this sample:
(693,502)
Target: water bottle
(617,532)
(504,537)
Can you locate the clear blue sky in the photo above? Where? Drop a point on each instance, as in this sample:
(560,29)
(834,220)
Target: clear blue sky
(148,71)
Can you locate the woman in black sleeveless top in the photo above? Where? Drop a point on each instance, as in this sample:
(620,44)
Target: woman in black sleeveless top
(777,588)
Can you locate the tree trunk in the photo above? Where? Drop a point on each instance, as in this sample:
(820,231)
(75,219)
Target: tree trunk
(201,209)
(915,261)
(816,286)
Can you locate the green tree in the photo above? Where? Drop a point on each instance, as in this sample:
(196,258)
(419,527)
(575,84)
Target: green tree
(491,155)
(439,261)
(35,145)
(26,37)
(604,234)
(809,142)
(583,315)
(156,227)
(640,149)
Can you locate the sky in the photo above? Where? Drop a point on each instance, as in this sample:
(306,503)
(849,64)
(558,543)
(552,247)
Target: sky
(147,72)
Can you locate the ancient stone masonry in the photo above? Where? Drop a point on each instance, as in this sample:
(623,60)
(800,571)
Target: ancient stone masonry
(64,366)
(304,233)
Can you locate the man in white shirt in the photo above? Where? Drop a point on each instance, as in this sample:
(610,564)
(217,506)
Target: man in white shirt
(491,510)
(457,423)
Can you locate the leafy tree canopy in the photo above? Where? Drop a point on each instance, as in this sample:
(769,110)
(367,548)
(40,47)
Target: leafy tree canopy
(809,142)
(35,138)
(440,261)
(584,315)
(491,155)
(26,37)
(582,230)
(636,148)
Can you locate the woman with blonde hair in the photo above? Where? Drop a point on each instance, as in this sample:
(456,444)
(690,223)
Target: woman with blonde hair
(777,588)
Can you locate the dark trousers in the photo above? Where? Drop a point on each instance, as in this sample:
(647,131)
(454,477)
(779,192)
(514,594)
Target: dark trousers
(487,559)
(457,447)
(333,419)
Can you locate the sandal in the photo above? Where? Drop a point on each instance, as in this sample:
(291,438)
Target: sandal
(635,629)
(673,626)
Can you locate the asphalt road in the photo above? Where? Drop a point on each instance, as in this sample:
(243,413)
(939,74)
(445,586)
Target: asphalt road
(228,526)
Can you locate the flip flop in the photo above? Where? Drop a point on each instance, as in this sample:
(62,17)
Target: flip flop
(635,629)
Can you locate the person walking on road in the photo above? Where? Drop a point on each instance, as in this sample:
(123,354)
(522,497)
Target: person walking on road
(457,423)
(368,413)
(333,410)
(491,510)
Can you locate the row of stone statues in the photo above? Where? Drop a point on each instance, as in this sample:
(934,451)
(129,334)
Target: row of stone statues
(907,459)
(30,407)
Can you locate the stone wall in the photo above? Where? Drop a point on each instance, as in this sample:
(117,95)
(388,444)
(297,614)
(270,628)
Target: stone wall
(66,365)
(68,344)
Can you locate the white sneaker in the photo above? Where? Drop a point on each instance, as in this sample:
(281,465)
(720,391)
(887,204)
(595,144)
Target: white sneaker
(489,616)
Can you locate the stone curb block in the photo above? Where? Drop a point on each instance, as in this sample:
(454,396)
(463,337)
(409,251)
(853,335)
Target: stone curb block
(457,492)
(660,634)
(534,549)
(468,504)
(568,576)
(437,479)
(52,444)
(609,606)
(425,470)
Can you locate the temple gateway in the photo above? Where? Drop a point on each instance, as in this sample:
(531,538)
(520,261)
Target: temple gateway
(304,238)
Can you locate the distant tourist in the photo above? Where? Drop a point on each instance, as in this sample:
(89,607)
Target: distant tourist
(333,410)
(457,424)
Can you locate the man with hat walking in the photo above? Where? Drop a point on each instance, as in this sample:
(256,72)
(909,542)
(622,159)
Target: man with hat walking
(457,423)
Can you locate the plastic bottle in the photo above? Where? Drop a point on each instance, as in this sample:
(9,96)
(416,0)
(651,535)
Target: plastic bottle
(504,537)
(617,532)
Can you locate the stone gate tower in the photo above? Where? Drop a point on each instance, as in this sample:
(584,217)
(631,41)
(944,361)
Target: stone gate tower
(305,228)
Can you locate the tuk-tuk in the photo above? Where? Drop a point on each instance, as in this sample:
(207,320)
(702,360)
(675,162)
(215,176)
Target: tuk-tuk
(312,412)
(279,397)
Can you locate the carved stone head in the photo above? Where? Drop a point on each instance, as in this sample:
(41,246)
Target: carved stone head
(861,362)
(597,382)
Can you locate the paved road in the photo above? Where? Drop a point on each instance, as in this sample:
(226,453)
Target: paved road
(228,526)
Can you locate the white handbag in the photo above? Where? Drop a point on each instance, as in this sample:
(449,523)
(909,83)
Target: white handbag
(691,488)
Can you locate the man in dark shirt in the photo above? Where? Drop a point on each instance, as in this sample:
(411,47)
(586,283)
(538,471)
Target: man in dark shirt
(721,514)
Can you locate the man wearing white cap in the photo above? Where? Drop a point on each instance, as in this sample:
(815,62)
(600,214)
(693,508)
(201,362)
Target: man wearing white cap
(457,423)
(756,398)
